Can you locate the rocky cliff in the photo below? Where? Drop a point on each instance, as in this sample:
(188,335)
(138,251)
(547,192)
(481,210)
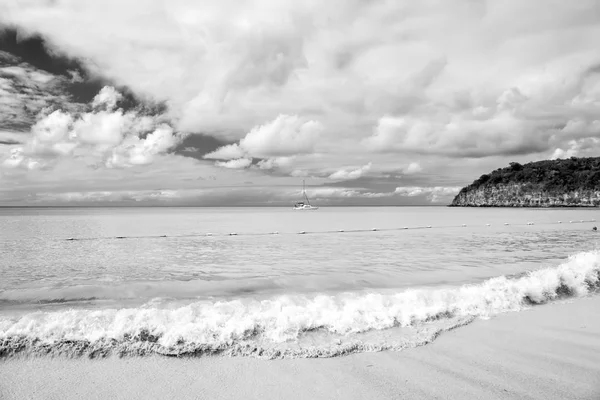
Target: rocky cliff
(574,182)
(519,195)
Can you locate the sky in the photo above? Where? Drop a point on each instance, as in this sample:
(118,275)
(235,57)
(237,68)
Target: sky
(197,102)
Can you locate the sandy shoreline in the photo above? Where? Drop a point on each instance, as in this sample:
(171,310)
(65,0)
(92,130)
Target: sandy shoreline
(549,352)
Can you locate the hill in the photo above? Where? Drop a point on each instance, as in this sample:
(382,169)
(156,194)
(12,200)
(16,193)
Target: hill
(572,182)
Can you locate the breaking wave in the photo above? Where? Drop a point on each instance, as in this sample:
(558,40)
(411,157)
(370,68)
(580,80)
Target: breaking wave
(293,326)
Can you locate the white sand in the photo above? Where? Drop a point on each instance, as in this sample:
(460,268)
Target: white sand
(549,352)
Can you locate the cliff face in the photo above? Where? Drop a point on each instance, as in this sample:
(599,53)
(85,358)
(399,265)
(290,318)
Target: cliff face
(525,195)
(572,182)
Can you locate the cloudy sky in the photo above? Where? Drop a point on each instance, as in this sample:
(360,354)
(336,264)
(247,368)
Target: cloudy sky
(197,102)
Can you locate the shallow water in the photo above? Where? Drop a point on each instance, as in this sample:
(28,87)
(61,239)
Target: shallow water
(167,286)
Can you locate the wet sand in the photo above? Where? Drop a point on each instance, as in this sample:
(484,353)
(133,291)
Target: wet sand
(548,352)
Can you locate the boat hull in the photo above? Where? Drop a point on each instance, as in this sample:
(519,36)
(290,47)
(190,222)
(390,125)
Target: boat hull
(305,208)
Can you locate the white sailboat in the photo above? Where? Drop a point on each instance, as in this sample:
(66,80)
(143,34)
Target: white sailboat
(304,205)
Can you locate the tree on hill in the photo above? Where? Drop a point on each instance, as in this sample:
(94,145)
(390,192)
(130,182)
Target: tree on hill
(549,175)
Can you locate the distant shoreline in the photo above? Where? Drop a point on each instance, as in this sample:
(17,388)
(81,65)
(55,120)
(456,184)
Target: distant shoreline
(520,206)
(257,206)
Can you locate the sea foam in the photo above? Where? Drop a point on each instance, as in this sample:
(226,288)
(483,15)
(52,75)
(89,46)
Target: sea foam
(294,326)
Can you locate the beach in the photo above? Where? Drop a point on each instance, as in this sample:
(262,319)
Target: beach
(143,303)
(546,352)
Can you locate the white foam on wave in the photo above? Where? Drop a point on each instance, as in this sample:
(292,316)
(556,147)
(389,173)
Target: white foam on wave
(204,327)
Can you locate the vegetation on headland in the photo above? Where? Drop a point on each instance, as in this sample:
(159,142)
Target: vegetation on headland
(572,182)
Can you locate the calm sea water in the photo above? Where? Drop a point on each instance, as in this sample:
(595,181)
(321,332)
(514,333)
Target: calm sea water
(143,280)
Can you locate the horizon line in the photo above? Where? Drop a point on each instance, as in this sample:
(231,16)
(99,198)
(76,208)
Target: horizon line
(222,206)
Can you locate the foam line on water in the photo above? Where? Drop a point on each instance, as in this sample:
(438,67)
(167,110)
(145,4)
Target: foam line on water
(271,325)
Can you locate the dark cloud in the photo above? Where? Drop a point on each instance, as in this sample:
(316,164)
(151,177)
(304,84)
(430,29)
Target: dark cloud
(198,145)
(594,69)
(9,142)
(75,82)
(23,97)
(33,50)
(515,150)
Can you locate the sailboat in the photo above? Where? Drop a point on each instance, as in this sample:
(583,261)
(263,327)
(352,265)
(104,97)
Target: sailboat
(304,205)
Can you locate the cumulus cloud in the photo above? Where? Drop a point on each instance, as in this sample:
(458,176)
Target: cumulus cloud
(276,163)
(276,141)
(433,194)
(285,135)
(135,151)
(585,147)
(412,168)
(239,163)
(111,136)
(108,96)
(571,151)
(17,158)
(345,174)
(52,131)
(229,152)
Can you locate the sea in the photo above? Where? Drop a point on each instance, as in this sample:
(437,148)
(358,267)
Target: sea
(275,282)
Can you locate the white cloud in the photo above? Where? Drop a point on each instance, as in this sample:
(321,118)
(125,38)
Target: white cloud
(458,136)
(413,168)
(53,128)
(284,136)
(109,136)
(103,128)
(276,163)
(107,196)
(15,159)
(586,147)
(510,99)
(108,96)
(345,174)
(136,151)
(342,193)
(410,191)
(433,194)
(239,163)
(560,153)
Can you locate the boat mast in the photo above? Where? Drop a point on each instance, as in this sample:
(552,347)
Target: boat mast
(304,192)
